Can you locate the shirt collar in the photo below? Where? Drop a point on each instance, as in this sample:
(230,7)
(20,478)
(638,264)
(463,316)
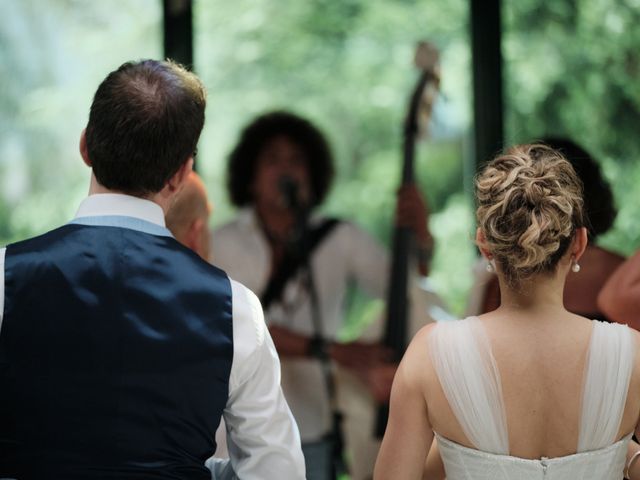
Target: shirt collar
(115,204)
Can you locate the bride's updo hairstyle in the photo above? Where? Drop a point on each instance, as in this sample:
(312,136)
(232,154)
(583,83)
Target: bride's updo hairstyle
(529,207)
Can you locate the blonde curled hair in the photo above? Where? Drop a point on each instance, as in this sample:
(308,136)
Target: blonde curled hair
(529,206)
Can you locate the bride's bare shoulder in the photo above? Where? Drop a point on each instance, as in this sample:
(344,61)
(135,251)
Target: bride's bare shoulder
(421,338)
(424,333)
(419,353)
(417,359)
(420,342)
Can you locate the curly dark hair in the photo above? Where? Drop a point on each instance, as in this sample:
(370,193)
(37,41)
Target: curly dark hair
(144,124)
(599,205)
(241,168)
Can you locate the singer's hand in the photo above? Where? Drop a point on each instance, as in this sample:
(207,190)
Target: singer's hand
(359,355)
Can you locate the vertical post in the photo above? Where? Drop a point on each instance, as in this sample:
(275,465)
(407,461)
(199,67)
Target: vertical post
(486,33)
(178,31)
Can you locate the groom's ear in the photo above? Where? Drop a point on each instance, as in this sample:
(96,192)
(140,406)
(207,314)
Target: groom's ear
(84,152)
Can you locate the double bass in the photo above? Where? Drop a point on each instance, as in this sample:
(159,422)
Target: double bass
(415,124)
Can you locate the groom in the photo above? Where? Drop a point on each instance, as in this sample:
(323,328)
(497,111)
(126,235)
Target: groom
(120,349)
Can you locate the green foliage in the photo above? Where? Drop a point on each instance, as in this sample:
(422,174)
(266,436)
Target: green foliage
(346,65)
(440,172)
(455,252)
(572,69)
(54,54)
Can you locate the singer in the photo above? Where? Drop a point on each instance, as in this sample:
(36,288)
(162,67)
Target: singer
(278,173)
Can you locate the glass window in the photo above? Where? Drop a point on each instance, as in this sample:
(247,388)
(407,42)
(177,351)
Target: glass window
(571,69)
(347,66)
(54,55)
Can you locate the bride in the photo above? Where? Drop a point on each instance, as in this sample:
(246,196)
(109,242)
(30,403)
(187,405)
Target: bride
(529,391)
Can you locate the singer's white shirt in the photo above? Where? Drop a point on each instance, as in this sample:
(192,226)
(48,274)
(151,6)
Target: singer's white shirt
(346,254)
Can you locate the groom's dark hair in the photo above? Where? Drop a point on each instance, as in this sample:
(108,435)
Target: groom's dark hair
(145,121)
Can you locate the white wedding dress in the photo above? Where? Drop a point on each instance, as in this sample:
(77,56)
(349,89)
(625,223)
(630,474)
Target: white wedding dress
(470,379)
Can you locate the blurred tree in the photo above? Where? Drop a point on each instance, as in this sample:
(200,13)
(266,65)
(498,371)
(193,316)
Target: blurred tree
(572,69)
(54,54)
(348,66)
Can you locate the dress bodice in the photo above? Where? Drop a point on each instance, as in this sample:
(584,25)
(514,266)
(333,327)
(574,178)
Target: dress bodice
(463,463)
(462,357)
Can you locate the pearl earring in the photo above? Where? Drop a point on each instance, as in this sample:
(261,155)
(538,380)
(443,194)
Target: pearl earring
(490,268)
(575,267)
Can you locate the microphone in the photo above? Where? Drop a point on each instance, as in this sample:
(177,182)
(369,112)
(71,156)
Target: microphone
(289,189)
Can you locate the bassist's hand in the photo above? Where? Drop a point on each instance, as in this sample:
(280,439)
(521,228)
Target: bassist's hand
(412,212)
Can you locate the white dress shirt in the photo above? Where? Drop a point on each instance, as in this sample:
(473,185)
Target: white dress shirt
(347,254)
(262,437)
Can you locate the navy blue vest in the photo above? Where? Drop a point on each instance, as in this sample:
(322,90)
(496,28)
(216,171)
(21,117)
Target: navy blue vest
(115,354)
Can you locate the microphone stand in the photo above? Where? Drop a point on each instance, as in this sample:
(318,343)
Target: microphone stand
(300,247)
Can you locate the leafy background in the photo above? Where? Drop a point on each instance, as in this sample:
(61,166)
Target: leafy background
(570,67)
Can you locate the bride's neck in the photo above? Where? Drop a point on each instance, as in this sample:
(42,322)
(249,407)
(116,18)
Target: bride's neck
(542,293)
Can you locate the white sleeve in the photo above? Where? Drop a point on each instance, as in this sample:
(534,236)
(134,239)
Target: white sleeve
(3,251)
(262,436)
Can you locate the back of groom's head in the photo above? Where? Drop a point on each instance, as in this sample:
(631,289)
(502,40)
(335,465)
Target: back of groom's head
(145,121)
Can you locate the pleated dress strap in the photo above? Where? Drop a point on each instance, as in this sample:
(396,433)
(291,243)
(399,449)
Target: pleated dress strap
(608,371)
(462,357)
